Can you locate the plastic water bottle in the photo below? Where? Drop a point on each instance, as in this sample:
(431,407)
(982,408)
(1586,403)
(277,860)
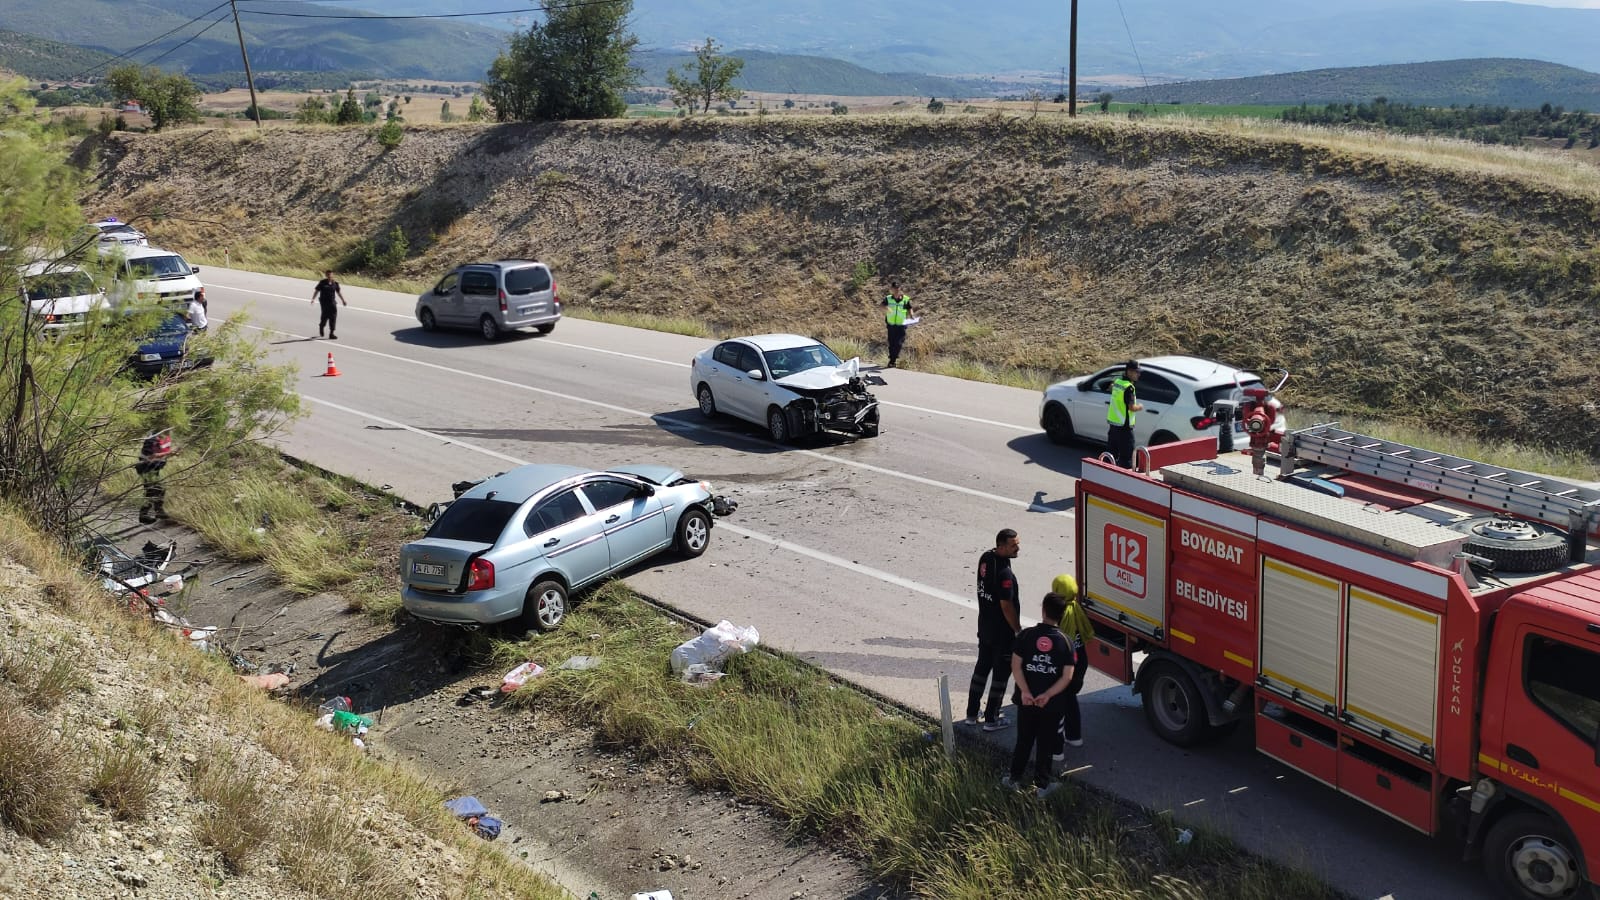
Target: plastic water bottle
(336,705)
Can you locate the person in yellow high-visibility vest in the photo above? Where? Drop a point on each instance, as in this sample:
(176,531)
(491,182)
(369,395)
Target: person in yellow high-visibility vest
(1119,415)
(897,309)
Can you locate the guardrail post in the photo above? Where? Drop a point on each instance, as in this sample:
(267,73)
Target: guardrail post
(947,725)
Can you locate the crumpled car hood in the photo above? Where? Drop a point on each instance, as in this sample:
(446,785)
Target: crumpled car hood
(823,377)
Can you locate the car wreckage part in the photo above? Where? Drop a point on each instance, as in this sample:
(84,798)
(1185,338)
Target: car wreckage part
(850,409)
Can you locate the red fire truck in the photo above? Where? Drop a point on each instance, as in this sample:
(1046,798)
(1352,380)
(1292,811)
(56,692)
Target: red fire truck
(1417,631)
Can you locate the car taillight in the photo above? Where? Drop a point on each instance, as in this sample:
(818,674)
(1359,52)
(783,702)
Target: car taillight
(555,291)
(1201,423)
(502,301)
(480,575)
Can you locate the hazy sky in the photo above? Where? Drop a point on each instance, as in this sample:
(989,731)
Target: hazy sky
(1582,4)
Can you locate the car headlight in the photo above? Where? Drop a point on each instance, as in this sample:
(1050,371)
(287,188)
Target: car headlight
(705,486)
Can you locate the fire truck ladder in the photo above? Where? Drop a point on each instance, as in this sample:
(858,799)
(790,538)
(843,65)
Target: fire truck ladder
(1562,504)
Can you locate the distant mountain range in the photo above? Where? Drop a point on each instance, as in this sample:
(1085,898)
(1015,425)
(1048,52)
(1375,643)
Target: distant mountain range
(795,74)
(1175,39)
(1519,83)
(1134,40)
(41,59)
(448,49)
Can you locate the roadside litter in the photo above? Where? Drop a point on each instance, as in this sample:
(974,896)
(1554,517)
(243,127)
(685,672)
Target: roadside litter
(579,663)
(520,676)
(335,714)
(271,682)
(654,895)
(700,658)
(476,816)
(475,694)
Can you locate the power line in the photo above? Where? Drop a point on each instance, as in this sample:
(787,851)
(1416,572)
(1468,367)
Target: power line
(574,4)
(1135,47)
(146,44)
(189,39)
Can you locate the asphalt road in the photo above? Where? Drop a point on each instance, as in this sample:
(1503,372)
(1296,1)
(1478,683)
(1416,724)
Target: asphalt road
(858,556)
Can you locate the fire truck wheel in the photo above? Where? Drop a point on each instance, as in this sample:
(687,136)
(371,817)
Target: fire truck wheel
(1531,857)
(1058,425)
(1513,544)
(1173,706)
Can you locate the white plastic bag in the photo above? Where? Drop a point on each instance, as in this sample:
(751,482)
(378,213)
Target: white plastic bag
(714,645)
(520,676)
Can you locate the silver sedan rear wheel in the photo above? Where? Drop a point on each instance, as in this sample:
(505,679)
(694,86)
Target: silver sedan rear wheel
(545,606)
(708,403)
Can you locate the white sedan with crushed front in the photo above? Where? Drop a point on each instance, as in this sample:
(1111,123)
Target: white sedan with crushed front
(793,386)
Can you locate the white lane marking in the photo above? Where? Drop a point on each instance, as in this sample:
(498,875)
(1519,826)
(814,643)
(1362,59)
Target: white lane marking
(679,424)
(780,543)
(1026,429)
(415,430)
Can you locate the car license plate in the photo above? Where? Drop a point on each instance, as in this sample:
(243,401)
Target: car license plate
(427,569)
(149,357)
(525,310)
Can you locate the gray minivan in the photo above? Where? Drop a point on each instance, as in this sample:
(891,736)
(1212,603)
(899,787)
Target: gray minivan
(493,297)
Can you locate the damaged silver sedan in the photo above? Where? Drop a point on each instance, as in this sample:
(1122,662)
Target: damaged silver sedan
(794,386)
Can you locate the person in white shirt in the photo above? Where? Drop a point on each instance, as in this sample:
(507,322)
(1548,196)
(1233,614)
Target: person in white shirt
(197,315)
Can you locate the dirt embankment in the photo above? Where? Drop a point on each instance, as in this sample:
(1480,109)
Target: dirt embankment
(1448,293)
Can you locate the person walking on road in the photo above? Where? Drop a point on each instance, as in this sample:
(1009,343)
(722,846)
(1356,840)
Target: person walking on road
(1079,630)
(1043,664)
(1119,417)
(327,292)
(998,624)
(897,310)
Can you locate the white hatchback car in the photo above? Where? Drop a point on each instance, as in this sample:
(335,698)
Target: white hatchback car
(1177,392)
(793,385)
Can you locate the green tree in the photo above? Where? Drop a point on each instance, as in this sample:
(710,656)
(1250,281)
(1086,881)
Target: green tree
(935,105)
(349,110)
(313,110)
(445,115)
(167,99)
(390,135)
(372,100)
(706,80)
(477,110)
(71,421)
(393,111)
(1104,99)
(573,65)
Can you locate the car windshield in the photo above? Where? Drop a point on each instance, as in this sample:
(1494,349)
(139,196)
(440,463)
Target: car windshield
(476,521)
(56,285)
(171,266)
(118,229)
(784,363)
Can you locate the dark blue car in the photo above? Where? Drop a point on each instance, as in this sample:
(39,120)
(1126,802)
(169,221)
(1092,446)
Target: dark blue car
(167,350)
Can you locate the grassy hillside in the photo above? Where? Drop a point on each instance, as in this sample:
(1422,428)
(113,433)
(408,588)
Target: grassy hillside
(1416,280)
(789,73)
(1519,83)
(38,59)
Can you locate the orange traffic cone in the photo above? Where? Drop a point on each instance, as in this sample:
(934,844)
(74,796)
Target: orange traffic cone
(333,370)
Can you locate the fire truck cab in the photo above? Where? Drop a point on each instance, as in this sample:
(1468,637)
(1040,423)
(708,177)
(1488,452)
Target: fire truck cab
(1417,631)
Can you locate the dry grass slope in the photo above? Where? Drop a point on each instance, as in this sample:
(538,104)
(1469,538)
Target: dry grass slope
(134,733)
(1423,281)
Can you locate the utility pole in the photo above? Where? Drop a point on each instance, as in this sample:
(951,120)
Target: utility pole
(1072,64)
(251,79)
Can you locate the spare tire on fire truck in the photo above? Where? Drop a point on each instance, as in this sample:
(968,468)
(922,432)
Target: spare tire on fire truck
(1515,545)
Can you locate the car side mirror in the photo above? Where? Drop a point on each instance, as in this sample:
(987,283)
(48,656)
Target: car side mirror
(647,490)
(757,374)
(194,270)
(1085,386)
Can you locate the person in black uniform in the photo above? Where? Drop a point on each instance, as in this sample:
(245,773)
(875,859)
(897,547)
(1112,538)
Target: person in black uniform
(1043,664)
(997,629)
(153,455)
(327,292)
